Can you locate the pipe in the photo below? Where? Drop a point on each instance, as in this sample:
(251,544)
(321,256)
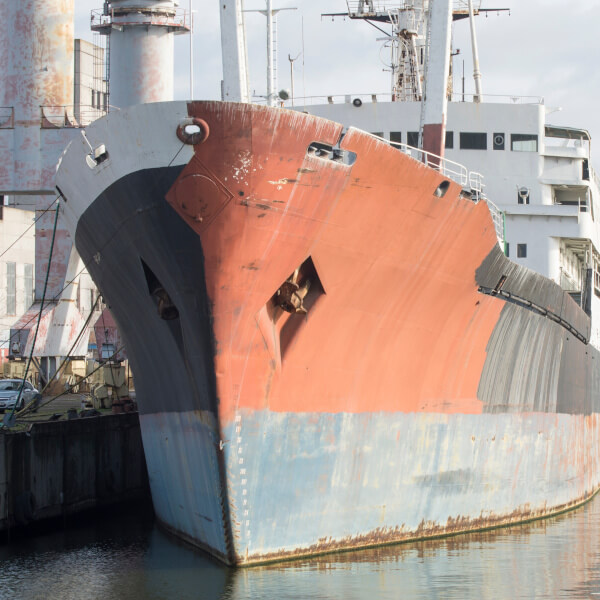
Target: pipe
(191,53)
(270,69)
(476,71)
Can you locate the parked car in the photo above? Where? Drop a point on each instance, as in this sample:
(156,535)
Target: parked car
(9,392)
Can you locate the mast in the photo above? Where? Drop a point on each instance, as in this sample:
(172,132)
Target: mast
(236,86)
(435,104)
(271,14)
(476,71)
(271,59)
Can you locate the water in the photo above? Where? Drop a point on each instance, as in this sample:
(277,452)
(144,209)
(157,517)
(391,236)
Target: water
(129,558)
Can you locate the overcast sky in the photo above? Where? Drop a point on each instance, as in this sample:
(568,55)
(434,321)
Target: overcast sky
(545,48)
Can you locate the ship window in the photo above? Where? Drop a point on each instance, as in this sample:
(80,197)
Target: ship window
(93,99)
(585,170)
(107,351)
(396,136)
(523,142)
(521,250)
(412,139)
(450,139)
(506,249)
(377,133)
(498,141)
(473,141)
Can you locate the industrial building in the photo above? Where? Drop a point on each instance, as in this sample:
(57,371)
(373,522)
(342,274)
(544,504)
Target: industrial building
(50,86)
(17,260)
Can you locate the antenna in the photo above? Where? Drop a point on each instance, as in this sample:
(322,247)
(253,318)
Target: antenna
(271,14)
(476,71)
(292,61)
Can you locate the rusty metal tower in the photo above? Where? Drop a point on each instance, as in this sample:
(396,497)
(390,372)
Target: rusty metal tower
(36,124)
(36,96)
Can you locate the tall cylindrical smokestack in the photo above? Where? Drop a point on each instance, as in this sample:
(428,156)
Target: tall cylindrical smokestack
(141,49)
(36,69)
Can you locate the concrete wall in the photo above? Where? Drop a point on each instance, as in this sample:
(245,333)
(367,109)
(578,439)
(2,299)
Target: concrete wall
(60,468)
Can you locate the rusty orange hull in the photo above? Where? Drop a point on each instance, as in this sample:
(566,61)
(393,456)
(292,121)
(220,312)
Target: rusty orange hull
(330,349)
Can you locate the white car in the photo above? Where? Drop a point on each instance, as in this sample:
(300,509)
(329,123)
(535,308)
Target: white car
(9,392)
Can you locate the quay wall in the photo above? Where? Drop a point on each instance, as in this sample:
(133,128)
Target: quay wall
(60,468)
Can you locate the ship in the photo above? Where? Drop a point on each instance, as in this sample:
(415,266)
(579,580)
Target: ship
(331,348)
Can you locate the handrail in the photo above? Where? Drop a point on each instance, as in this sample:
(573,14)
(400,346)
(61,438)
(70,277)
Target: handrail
(499,98)
(498,220)
(177,18)
(358,8)
(373,98)
(81,115)
(448,168)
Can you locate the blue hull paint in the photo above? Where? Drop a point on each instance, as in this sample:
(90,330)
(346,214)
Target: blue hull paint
(306,483)
(183,469)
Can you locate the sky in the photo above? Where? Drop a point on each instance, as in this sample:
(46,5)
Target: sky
(542,48)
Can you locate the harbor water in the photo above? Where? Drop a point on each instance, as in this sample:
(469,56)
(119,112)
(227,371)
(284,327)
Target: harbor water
(129,557)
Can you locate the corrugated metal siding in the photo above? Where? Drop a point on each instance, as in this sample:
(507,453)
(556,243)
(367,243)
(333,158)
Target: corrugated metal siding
(533,287)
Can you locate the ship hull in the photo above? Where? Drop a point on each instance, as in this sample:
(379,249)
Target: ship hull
(431,387)
(319,483)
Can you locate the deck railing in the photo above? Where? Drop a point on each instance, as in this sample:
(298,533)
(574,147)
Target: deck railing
(388,97)
(177,19)
(368,7)
(53,117)
(498,220)
(469,180)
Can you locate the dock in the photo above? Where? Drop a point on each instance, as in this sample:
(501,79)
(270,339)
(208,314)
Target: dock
(58,468)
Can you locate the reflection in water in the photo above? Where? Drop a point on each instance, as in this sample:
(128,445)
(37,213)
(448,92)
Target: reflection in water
(128,557)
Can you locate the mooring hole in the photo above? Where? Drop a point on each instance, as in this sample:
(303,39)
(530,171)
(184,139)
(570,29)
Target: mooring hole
(441,189)
(333,153)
